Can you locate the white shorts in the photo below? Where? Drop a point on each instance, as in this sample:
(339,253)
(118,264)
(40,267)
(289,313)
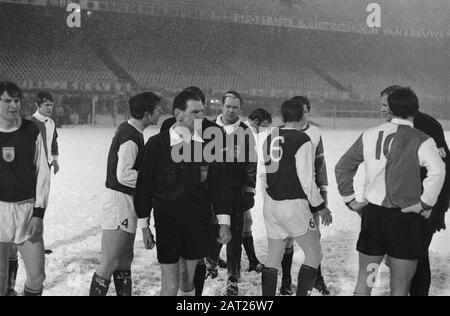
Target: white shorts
(118,212)
(14,221)
(288,218)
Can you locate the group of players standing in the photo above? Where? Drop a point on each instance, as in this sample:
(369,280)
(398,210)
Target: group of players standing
(200,205)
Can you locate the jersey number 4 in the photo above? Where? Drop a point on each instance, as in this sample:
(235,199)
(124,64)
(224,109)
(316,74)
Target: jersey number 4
(385,146)
(125,223)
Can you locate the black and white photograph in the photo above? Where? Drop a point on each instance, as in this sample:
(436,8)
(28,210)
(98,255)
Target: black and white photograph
(245,150)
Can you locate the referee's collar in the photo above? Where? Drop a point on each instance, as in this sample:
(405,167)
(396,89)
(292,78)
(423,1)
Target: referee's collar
(402,122)
(182,134)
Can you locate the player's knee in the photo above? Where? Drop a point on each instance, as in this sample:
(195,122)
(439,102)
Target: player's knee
(290,243)
(36,279)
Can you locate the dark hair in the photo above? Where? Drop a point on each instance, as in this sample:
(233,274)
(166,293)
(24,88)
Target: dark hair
(11,88)
(303,101)
(292,111)
(261,115)
(403,103)
(232,94)
(181,100)
(43,97)
(144,102)
(197,91)
(389,90)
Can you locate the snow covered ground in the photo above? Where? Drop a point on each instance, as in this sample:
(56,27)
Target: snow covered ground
(73,233)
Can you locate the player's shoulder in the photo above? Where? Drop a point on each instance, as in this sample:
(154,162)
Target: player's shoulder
(159,139)
(295,136)
(29,126)
(126,132)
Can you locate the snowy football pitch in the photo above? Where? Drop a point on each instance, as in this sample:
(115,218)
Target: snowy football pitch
(72,226)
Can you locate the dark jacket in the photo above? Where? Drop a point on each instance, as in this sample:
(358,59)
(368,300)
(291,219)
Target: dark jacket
(430,126)
(199,184)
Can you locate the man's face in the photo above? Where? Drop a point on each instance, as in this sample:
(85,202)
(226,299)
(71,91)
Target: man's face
(385,108)
(194,111)
(306,114)
(9,108)
(154,118)
(46,108)
(231,110)
(260,127)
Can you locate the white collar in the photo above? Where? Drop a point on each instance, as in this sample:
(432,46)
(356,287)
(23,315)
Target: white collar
(228,128)
(182,134)
(130,122)
(399,121)
(41,117)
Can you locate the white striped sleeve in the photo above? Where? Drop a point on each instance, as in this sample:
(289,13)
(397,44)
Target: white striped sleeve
(430,159)
(304,158)
(42,175)
(127,155)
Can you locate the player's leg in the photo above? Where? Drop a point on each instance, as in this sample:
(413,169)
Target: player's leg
(310,244)
(187,274)
(13,268)
(248,243)
(367,274)
(421,282)
(33,256)
(286,266)
(170,279)
(122,275)
(402,272)
(114,243)
(269,277)
(320,284)
(4,254)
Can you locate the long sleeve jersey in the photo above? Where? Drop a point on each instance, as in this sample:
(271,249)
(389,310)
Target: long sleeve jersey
(393,155)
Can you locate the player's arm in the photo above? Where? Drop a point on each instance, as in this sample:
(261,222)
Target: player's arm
(143,196)
(250,174)
(36,226)
(432,185)
(127,154)
(320,166)
(304,160)
(42,179)
(55,151)
(346,170)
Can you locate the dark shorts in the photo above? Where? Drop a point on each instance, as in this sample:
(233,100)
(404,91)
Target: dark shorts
(182,232)
(389,232)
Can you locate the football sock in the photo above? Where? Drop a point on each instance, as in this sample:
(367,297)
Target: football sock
(12,275)
(286,265)
(123,282)
(29,292)
(306,278)
(99,286)
(269,279)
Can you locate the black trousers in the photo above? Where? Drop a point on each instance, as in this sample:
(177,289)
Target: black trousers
(234,248)
(421,282)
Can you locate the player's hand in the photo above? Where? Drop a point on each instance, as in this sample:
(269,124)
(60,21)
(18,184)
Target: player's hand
(418,209)
(357,207)
(326,216)
(148,239)
(35,229)
(224,235)
(55,165)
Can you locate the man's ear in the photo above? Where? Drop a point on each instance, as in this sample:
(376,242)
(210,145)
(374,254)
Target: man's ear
(177,114)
